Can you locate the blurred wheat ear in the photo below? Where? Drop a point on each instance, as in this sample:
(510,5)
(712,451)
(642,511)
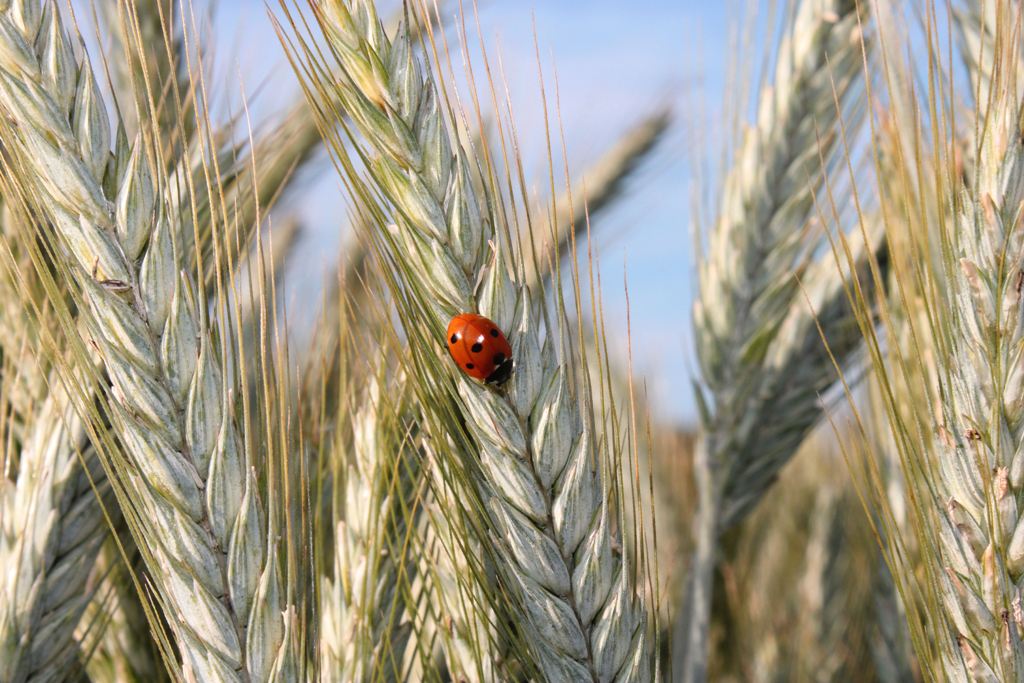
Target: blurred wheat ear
(762,359)
(52,529)
(366,629)
(985,33)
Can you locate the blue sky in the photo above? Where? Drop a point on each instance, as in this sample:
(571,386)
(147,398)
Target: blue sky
(615,62)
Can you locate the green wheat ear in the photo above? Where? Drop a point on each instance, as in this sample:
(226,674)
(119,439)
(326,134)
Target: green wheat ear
(187,474)
(547,514)
(946,429)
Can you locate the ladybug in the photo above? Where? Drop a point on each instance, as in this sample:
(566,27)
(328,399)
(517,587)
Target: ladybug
(479,348)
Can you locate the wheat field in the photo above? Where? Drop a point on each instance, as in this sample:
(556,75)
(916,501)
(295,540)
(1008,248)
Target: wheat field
(445,465)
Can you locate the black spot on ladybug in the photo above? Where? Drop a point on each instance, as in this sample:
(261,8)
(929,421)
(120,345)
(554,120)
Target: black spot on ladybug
(455,338)
(469,366)
(477,348)
(494,332)
(499,358)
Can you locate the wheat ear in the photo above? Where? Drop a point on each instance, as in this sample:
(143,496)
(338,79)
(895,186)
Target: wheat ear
(52,524)
(364,624)
(748,288)
(748,291)
(949,384)
(458,617)
(292,144)
(52,529)
(979,461)
(797,609)
(190,473)
(459,611)
(539,459)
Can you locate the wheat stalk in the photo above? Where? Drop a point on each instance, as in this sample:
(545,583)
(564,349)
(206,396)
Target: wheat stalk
(826,625)
(195,490)
(537,454)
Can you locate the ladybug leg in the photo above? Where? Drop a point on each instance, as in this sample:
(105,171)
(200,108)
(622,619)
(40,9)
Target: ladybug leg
(501,373)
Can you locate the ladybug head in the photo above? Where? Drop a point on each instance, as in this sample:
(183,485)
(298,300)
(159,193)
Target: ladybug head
(501,373)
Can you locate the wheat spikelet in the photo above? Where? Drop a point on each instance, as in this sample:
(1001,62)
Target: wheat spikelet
(537,453)
(196,492)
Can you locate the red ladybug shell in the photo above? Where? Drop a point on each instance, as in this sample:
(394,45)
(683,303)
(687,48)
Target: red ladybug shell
(479,348)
